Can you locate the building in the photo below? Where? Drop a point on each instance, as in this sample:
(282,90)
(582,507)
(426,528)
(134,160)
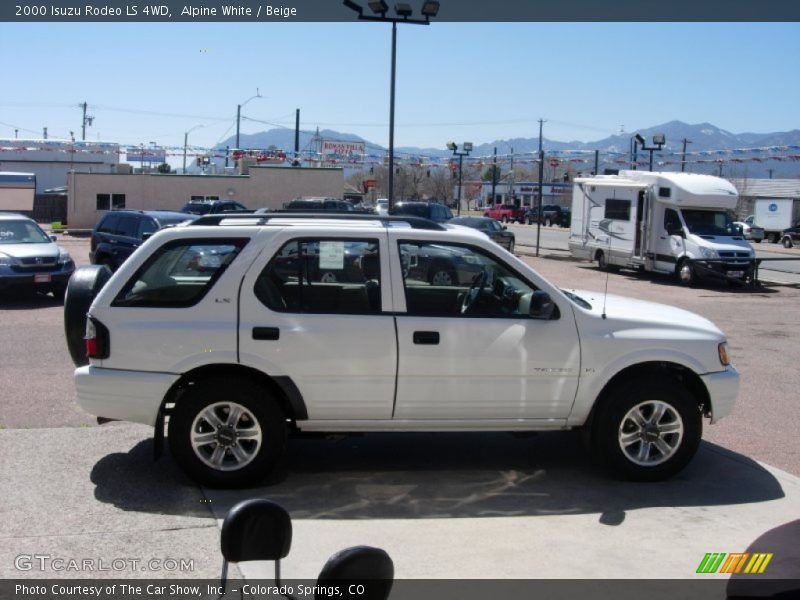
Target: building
(523,193)
(90,195)
(750,189)
(52,160)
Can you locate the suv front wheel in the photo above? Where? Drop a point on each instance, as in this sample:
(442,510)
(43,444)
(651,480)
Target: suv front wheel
(647,429)
(227,436)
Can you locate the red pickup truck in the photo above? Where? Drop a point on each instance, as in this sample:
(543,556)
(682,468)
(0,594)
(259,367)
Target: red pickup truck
(506,213)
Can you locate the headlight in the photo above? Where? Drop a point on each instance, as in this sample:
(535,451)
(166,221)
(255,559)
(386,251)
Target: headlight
(64,257)
(723,354)
(708,253)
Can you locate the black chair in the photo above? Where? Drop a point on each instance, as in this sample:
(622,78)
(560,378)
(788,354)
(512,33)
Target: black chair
(358,566)
(256,529)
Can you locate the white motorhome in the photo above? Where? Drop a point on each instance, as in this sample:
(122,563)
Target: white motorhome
(677,223)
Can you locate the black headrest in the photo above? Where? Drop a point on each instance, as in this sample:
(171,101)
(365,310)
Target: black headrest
(371,567)
(256,529)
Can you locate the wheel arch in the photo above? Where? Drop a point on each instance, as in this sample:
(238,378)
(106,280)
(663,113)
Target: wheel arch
(681,374)
(282,388)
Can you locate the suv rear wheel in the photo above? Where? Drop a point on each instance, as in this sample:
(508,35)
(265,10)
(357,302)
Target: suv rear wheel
(647,429)
(227,436)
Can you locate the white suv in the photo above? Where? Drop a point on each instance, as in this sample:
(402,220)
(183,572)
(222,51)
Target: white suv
(242,329)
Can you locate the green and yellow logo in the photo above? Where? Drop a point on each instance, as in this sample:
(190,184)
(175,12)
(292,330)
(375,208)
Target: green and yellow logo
(719,562)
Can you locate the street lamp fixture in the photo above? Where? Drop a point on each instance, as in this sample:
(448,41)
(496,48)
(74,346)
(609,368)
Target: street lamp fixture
(659,140)
(239,114)
(404,12)
(186,143)
(466,148)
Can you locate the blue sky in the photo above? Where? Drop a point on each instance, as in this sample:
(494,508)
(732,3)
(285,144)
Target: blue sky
(461,81)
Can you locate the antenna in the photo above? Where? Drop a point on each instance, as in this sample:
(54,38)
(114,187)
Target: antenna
(608,272)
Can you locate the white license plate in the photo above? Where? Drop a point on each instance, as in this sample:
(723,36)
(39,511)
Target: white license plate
(735,273)
(42,278)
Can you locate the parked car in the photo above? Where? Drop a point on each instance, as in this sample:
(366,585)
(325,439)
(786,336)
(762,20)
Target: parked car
(791,236)
(552,214)
(252,356)
(120,232)
(496,232)
(751,232)
(434,211)
(211,207)
(30,259)
(318,204)
(382,207)
(506,213)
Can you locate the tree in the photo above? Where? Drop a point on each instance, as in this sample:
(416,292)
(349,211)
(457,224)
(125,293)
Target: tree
(164,168)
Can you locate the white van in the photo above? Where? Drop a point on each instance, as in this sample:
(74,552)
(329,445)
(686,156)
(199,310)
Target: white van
(677,223)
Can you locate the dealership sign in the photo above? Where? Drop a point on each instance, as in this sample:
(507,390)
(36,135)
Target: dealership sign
(146,155)
(333,151)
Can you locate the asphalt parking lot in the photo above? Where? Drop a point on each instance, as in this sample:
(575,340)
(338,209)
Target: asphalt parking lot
(449,505)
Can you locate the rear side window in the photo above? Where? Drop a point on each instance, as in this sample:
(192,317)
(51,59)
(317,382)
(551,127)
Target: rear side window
(108,224)
(180,273)
(324,276)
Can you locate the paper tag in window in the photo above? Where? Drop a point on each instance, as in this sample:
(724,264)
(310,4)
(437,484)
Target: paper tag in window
(331,255)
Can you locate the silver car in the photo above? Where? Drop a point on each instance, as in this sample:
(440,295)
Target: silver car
(30,259)
(754,233)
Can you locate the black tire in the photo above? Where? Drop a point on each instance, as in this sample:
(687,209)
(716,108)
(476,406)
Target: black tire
(658,449)
(685,273)
(260,412)
(530,221)
(85,283)
(602,263)
(787,242)
(511,246)
(547,222)
(773,238)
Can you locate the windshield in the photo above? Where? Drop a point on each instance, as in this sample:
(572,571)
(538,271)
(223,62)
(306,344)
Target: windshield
(22,232)
(709,222)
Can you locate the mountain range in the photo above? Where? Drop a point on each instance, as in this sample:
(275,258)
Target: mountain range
(739,161)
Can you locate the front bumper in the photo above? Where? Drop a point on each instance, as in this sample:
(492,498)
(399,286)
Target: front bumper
(725,268)
(723,388)
(133,396)
(35,279)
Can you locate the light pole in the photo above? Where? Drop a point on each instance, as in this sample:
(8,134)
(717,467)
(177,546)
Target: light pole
(239,114)
(658,141)
(186,143)
(430,8)
(466,149)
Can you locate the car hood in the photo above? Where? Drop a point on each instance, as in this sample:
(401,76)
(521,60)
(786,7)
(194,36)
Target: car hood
(623,313)
(49,249)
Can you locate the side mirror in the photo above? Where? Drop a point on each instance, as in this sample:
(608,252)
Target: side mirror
(676,231)
(542,306)
(505,227)
(53,238)
(147,235)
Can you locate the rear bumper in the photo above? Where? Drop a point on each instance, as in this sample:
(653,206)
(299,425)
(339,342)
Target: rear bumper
(133,396)
(723,388)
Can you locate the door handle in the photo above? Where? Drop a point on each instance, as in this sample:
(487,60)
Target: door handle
(266,333)
(426,338)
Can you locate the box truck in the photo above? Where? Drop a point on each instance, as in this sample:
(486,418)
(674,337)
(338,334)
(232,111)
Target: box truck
(774,215)
(676,223)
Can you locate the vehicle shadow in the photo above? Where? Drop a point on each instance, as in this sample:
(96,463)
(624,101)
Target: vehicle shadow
(30,301)
(442,475)
(716,285)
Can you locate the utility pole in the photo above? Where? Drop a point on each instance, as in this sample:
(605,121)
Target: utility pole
(494,176)
(683,154)
(511,191)
(83,123)
(296,161)
(45,133)
(770,172)
(596,161)
(539,194)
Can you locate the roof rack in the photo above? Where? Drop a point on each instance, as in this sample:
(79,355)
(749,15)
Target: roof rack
(264,218)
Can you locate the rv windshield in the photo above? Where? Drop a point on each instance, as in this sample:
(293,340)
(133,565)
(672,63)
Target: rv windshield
(709,222)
